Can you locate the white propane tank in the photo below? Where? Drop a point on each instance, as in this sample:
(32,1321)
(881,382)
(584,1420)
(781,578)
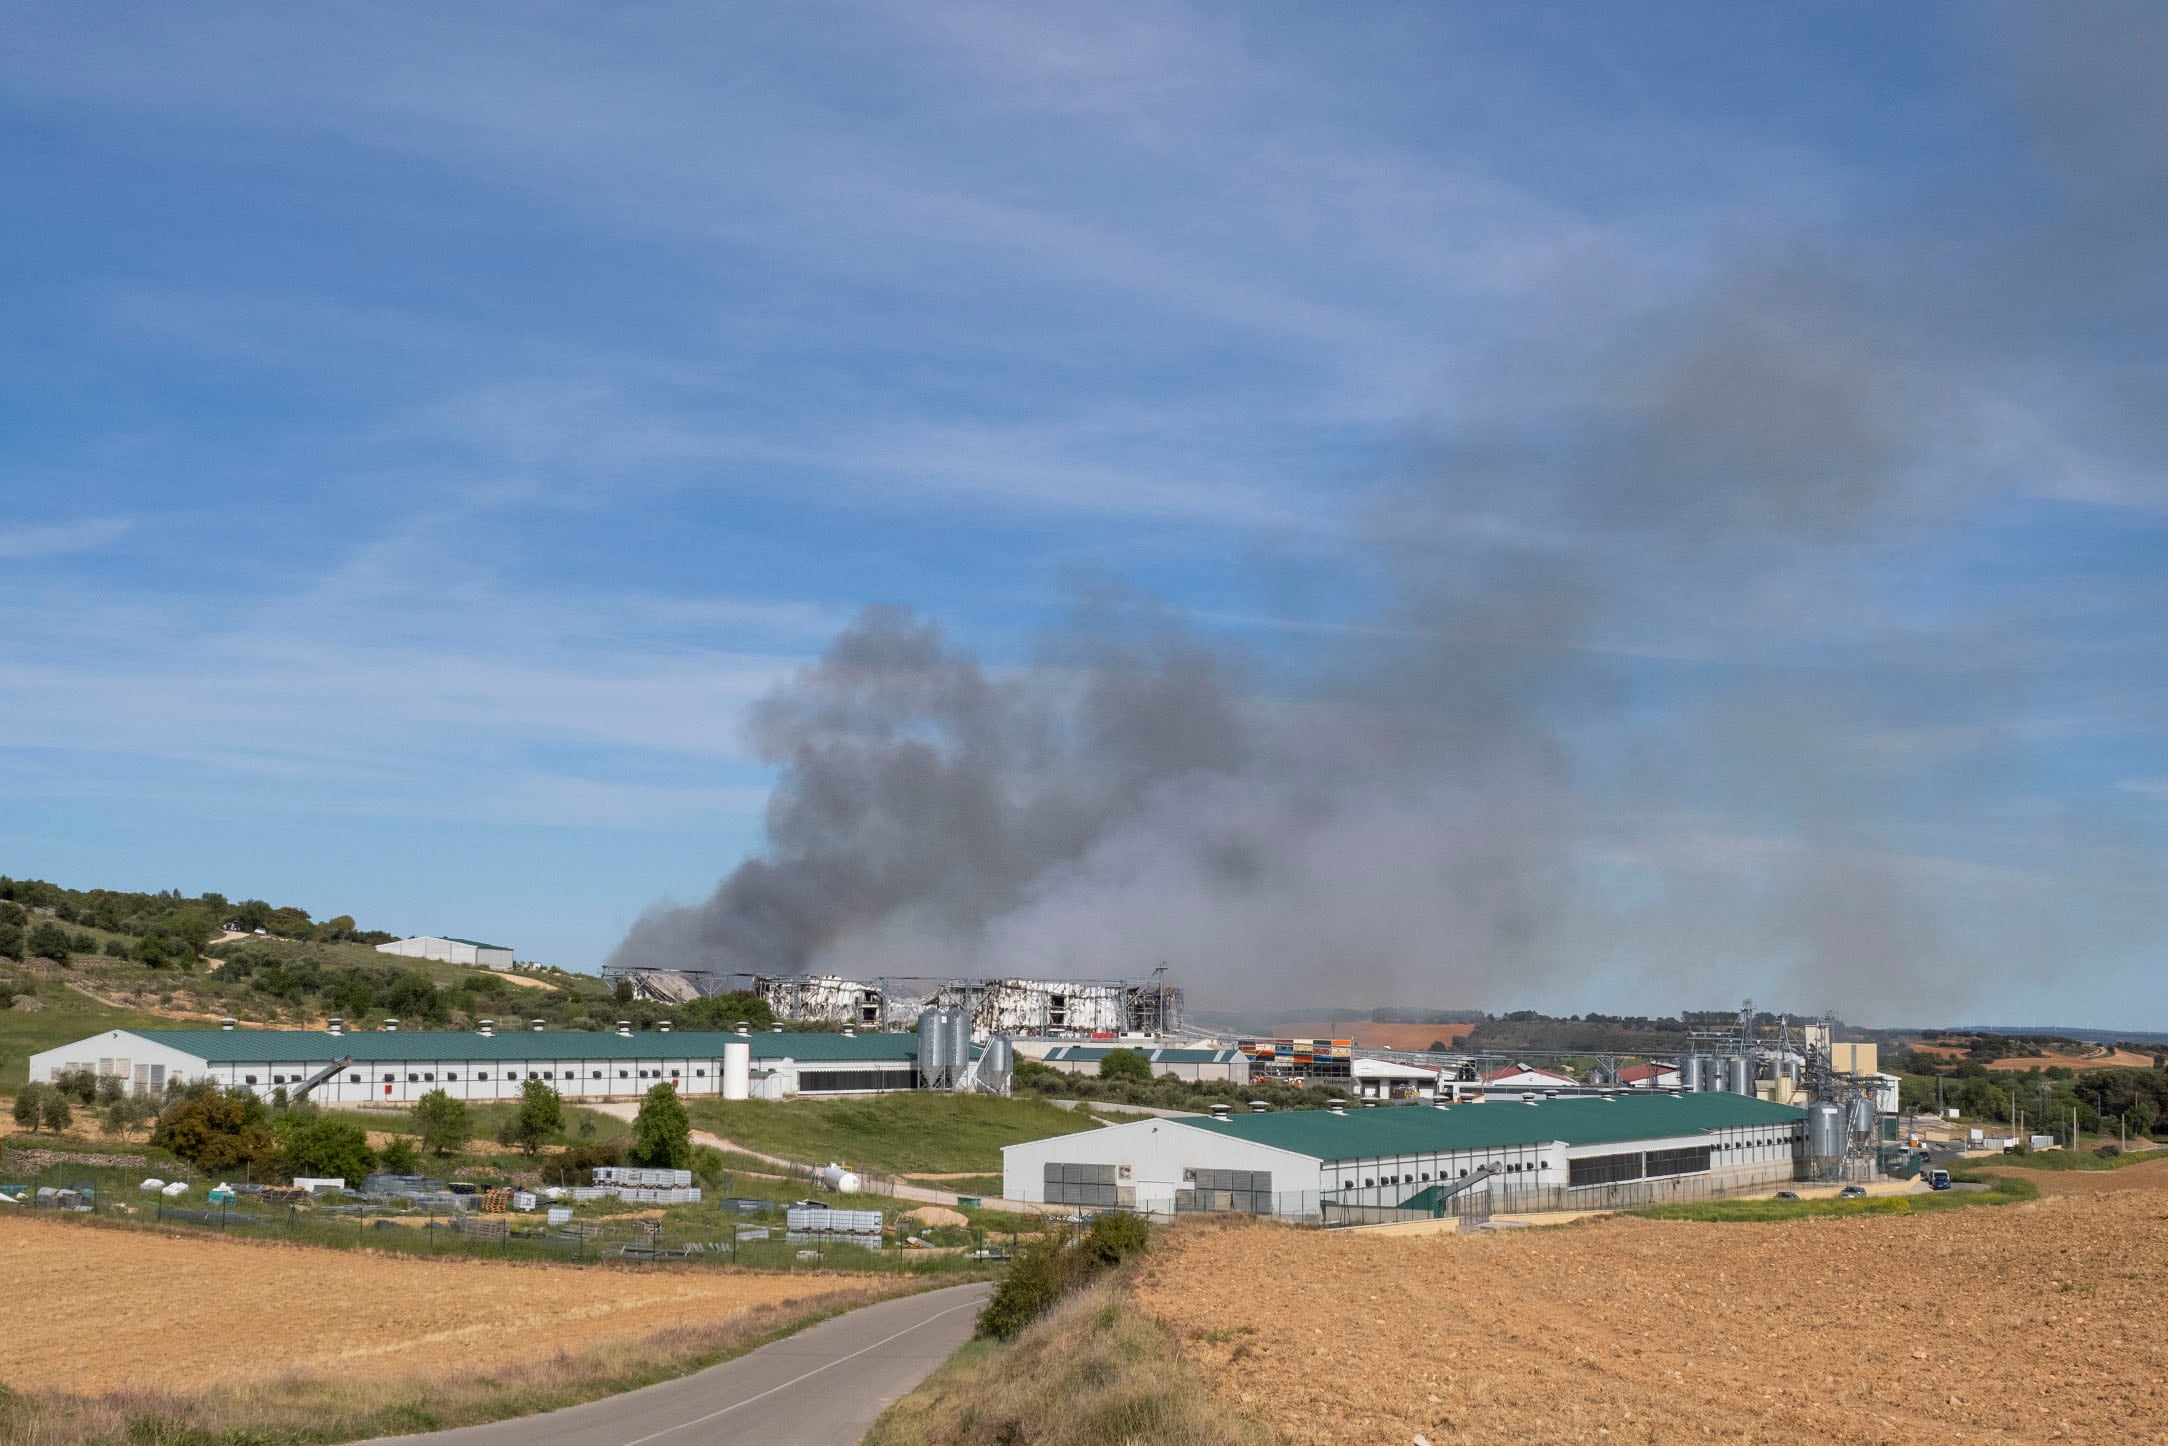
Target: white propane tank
(835,1177)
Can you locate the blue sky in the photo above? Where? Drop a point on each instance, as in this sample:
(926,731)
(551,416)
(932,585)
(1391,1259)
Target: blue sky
(424,433)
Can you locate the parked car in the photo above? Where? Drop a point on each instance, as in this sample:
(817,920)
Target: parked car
(1938,1179)
(1852,1192)
(1786,1195)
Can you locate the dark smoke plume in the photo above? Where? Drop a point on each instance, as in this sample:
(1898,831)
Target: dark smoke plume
(1465,798)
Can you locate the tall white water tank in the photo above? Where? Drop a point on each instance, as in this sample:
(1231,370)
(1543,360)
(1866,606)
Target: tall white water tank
(737,1068)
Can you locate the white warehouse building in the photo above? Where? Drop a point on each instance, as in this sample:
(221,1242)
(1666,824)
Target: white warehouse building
(448,950)
(1292,1163)
(397,1067)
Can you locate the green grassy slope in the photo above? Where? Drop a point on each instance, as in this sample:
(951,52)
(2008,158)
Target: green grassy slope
(898,1133)
(66,1016)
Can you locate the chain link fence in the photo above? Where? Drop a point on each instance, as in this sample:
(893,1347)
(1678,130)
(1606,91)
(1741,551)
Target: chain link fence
(751,1233)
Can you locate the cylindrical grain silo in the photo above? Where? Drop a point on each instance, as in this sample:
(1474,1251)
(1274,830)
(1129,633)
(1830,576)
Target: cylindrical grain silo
(932,1049)
(1825,1136)
(1690,1073)
(1739,1075)
(737,1068)
(959,1045)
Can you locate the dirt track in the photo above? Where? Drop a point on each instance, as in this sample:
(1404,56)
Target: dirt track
(116,1308)
(2013,1323)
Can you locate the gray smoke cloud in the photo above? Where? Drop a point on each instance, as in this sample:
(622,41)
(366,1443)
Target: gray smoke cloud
(1466,799)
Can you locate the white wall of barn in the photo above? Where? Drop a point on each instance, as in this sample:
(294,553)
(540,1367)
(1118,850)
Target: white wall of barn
(1155,1154)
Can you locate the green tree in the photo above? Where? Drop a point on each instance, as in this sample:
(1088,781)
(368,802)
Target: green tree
(1125,1064)
(217,1131)
(662,1133)
(57,1113)
(399,1158)
(11,939)
(442,1123)
(29,1106)
(324,1148)
(413,995)
(50,941)
(539,1119)
(117,949)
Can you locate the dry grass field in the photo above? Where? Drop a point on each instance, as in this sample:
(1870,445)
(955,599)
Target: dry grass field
(136,1310)
(2102,1058)
(2028,1322)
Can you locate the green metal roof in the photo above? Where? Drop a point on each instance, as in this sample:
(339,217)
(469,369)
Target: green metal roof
(455,939)
(1363,1134)
(306,1046)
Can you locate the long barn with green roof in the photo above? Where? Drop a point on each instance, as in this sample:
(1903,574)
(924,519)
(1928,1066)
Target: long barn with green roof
(398,1066)
(1645,1143)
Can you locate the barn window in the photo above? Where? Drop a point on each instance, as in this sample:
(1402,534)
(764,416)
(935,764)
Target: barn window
(532,1075)
(389,1078)
(1426,1177)
(250,1079)
(481,1074)
(595,1074)
(430,1076)
(354,1075)
(622,1074)
(451,1074)
(1347,1184)
(547,1075)
(413,1078)
(700,1074)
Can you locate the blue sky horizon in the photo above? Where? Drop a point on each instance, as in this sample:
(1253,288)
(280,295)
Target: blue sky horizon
(1671,499)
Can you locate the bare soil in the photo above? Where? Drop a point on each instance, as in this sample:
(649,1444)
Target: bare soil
(133,1309)
(2025,1322)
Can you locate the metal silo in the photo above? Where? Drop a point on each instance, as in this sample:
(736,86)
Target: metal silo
(1861,1116)
(932,1049)
(959,1045)
(1690,1073)
(1825,1136)
(1739,1075)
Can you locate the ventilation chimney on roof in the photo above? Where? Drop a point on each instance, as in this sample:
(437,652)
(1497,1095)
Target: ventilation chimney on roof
(663,1025)
(1221,1111)
(391,1026)
(335,1025)
(488,1027)
(1336,1108)
(535,1025)
(849,1033)
(225,1024)
(775,1029)
(744,1028)
(1258,1107)
(624,1027)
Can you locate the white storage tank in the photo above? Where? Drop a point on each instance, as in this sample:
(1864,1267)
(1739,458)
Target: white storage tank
(835,1177)
(737,1069)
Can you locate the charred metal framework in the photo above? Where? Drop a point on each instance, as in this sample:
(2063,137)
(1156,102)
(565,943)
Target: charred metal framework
(1037,1007)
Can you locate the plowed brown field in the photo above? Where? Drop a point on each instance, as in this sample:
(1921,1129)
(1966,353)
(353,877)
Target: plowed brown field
(2026,1322)
(95,1310)
(1375,1034)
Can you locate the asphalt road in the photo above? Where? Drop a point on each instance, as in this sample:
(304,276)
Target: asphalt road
(820,1387)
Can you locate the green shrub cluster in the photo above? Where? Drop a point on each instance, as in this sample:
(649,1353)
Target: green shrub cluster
(1051,1266)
